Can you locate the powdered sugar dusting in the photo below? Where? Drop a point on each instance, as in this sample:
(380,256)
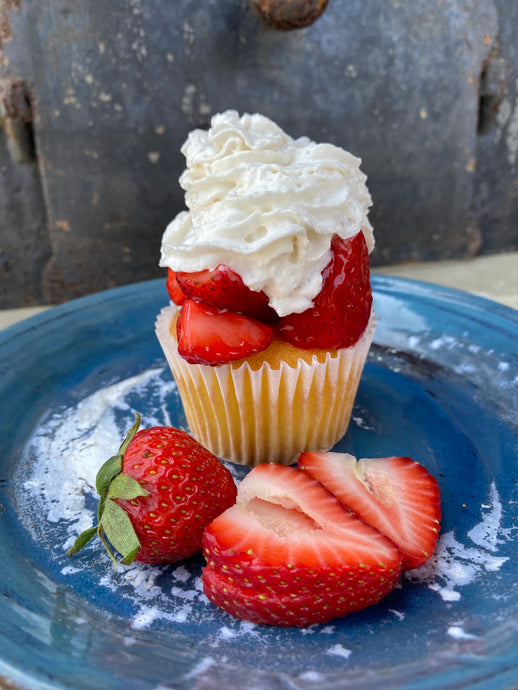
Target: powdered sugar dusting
(463,352)
(200,668)
(72,444)
(64,455)
(74,441)
(398,614)
(487,533)
(455,564)
(458,632)
(311,677)
(339,650)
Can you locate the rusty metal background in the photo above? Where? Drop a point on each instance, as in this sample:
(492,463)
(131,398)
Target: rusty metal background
(96,99)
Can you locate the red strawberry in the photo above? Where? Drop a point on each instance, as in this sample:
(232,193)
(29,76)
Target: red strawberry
(224,289)
(173,289)
(341,310)
(288,553)
(157,495)
(207,335)
(397,496)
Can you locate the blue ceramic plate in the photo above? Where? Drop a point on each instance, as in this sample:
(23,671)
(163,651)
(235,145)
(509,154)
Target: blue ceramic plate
(440,385)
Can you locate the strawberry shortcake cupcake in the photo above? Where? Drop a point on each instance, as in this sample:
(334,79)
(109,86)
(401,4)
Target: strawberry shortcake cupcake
(271,315)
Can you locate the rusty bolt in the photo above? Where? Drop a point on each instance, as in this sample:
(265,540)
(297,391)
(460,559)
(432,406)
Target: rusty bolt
(286,15)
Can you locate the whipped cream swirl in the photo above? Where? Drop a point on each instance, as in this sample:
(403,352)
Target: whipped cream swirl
(267,206)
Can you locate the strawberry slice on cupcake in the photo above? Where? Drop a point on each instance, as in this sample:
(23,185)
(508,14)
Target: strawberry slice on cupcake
(338,317)
(224,289)
(207,335)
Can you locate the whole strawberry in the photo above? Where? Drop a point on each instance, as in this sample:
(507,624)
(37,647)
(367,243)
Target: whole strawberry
(157,495)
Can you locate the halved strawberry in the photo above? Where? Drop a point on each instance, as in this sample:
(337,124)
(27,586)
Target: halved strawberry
(341,310)
(397,496)
(288,553)
(224,289)
(207,335)
(173,289)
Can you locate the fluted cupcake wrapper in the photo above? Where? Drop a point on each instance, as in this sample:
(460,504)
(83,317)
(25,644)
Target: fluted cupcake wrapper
(249,416)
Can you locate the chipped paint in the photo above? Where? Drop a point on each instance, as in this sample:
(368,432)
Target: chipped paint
(188,37)
(134,25)
(193,103)
(63,225)
(188,99)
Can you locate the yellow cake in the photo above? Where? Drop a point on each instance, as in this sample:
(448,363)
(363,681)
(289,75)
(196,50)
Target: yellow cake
(270,406)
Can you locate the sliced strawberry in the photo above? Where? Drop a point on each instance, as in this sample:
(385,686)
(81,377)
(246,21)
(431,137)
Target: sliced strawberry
(397,496)
(341,310)
(173,289)
(288,553)
(224,289)
(207,335)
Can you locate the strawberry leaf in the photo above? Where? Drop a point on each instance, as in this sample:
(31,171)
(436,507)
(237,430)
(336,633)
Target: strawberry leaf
(113,465)
(126,487)
(82,540)
(130,557)
(119,531)
(106,473)
(112,520)
(130,435)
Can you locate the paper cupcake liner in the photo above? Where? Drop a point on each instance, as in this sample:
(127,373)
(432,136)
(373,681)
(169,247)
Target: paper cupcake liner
(251,416)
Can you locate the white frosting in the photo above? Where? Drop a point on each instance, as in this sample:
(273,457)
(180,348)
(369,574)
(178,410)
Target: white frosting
(267,206)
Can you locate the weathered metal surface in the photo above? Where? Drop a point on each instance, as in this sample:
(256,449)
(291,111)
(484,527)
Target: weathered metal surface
(495,197)
(116,87)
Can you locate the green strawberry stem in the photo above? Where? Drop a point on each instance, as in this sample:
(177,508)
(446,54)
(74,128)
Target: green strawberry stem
(114,527)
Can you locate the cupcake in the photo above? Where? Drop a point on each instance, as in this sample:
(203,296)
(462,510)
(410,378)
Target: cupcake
(271,319)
